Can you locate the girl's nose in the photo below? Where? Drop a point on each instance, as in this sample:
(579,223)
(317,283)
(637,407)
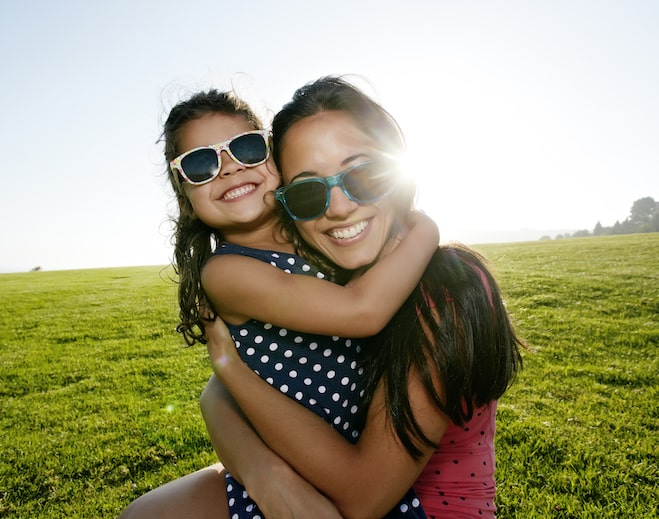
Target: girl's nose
(340,205)
(229,166)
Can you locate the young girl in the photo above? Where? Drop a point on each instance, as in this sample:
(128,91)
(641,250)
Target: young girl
(224,182)
(434,375)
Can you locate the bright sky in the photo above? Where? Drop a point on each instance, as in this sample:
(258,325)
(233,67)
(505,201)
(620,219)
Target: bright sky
(520,114)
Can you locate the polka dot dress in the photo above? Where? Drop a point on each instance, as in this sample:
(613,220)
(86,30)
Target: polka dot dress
(319,372)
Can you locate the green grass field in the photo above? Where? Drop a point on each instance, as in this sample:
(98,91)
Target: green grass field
(99,400)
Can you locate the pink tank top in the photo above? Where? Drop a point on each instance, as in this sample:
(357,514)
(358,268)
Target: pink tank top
(458,481)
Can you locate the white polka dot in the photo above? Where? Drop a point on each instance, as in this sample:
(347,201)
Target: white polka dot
(275,255)
(313,401)
(283,388)
(353,364)
(267,326)
(292,373)
(279,366)
(264,359)
(354,409)
(317,367)
(302,360)
(229,487)
(313,345)
(249,507)
(416,503)
(320,275)
(403,507)
(306,268)
(258,339)
(273,264)
(335,338)
(336,397)
(290,261)
(322,389)
(345,381)
(232,500)
(346,426)
(250,351)
(298,340)
(307,381)
(348,342)
(337,420)
(288,354)
(283,332)
(331,374)
(243,332)
(327,353)
(269,380)
(299,395)
(341,359)
(353,387)
(287,271)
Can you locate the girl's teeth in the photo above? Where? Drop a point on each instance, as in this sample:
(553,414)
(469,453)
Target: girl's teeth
(242,190)
(349,232)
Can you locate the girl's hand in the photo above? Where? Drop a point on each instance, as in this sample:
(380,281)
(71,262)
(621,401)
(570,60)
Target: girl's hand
(424,227)
(220,345)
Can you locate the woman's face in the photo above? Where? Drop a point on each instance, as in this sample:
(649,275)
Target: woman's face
(237,196)
(349,234)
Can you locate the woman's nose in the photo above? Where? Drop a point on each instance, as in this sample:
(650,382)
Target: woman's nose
(340,205)
(228,166)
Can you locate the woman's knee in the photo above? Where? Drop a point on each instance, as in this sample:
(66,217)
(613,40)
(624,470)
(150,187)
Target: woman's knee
(199,495)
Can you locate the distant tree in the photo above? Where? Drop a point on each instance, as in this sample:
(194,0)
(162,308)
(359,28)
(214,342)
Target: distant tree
(584,233)
(560,236)
(643,209)
(598,230)
(35,269)
(545,238)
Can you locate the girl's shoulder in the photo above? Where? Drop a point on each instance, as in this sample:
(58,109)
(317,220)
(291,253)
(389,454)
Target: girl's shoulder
(285,261)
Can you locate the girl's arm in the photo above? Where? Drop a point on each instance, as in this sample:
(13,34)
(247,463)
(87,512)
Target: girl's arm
(270,481)
(362,480)
(240,288)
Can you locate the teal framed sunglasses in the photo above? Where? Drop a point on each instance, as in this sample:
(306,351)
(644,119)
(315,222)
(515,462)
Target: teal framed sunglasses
(364,183)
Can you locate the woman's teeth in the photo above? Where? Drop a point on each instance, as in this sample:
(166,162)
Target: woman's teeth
(348,232)
(238,192)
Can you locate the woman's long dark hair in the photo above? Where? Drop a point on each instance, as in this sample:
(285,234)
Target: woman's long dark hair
(454,328)
(194,241)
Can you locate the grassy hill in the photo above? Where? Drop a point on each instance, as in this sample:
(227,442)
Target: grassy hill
(99,398)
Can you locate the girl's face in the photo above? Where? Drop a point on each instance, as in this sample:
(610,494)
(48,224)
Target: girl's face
(349,234)
(236,198)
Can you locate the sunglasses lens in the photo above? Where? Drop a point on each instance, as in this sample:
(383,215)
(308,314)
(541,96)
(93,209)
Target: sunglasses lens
(368,182)
(249,149)
(200,165)
(306,200)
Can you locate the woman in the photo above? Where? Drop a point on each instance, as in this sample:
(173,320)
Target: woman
(435,373)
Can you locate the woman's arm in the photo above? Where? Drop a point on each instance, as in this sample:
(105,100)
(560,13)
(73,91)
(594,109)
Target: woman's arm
(362,480)
(241,288)
(271,482)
